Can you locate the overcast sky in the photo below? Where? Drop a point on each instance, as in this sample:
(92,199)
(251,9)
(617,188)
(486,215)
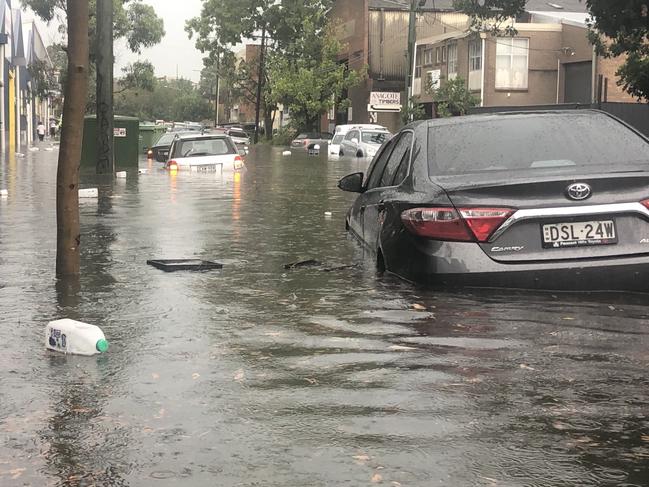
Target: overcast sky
(175,52)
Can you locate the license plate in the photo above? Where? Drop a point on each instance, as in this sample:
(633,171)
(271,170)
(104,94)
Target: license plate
(207,168)
(579,234)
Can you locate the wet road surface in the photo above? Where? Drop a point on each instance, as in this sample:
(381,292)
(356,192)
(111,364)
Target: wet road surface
(257,375)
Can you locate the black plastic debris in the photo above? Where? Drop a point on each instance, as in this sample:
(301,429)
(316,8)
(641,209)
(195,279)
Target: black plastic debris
(172,265)
(303,263)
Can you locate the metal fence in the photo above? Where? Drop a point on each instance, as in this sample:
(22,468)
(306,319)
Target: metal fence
(635,114)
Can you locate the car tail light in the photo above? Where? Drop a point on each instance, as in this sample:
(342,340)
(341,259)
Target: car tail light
(645,203)
(149,153)
(172,165)
(436,223)
(464,224)
(238,162)
(306,142)
(485,221)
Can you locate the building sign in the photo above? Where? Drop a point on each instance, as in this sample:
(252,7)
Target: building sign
(119,132)
(384,101)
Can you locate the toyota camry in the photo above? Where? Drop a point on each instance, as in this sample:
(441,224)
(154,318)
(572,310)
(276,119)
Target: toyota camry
(550,200)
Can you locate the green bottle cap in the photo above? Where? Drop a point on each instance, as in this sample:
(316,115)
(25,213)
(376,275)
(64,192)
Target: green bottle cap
(102,345)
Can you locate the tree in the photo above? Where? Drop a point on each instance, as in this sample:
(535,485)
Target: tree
(626,27)
(453,98)
(138,75)
(67,177)
(313,83)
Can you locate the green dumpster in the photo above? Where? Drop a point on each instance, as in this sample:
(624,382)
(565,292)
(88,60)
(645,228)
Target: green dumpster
(127,135)
(150,133)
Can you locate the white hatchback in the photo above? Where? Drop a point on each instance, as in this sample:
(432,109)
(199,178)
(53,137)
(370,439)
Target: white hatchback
(335,148)
(215,153)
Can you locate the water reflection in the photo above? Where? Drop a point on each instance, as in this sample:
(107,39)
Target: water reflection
(261,375)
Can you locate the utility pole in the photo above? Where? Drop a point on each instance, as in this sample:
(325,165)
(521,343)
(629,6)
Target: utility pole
(410,57)
(260,82)
(218,90)
(105,115)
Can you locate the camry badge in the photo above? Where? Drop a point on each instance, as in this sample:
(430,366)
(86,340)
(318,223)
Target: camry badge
(578,191)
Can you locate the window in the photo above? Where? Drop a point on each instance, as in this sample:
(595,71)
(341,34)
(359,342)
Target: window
(352,134)
(443,54)
(376,171)
(203,147)
(418,60)
(374,137)
(438,55)
(401,152)
(511,63)
(570,144)
(428,57)
(475,55)
(402,171)
(452,61)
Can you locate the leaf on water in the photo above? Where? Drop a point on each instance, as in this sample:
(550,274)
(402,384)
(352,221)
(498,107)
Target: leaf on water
(568,318)
(401,348)
(612,308)
(645,438)
(155,376)
(195,375)
(488,479)
(239,375)
(160,414)
(526,367)
(377,478)
(396,484)
(310,380)
(80,410)
(419,307)
(273,333)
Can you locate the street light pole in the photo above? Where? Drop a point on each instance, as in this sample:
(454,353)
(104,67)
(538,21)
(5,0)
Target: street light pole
(218,92)
(260,81)
(410,57)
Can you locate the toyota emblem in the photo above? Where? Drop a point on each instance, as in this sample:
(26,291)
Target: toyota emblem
(578,191)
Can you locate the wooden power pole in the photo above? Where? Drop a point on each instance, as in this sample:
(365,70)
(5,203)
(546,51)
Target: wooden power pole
(105,115)
(68,234)
(260,82)
(410,56)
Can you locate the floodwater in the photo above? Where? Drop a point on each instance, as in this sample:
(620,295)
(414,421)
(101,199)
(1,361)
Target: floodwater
(256,375)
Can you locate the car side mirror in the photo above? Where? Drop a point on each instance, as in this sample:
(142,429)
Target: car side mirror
(352,183)
(354,140)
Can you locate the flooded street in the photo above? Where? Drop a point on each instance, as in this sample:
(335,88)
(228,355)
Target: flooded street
(257,375)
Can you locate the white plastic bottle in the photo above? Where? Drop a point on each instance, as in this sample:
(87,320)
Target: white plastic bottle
(69,336)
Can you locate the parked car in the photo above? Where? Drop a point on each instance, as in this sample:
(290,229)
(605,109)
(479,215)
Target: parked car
(205,153)
(363,141)
(342,130)
(555,199)
(239,137)
(307,140)
(160,151)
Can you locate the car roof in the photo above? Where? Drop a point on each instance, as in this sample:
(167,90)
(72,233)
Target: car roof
(201,136)
(493,116)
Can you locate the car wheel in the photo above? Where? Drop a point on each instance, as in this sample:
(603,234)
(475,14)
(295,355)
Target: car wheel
(341,154)
(359,154)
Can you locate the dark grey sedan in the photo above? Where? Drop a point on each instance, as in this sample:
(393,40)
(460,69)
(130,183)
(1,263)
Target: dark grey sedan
(550,200)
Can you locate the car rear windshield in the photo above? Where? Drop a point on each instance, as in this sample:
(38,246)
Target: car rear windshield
(238,133)
(203,147)
(166,139)
(530,142)
(337,139)
(376,138)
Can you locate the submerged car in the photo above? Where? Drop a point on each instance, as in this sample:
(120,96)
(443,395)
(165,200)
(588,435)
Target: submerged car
(205,153)
(239,137)
(160,150)
(343,130)
(306,141)
(364,141)
(548,200)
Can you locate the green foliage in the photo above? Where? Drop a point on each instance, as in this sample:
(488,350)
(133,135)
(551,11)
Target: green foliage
(284,136)
(139,74)
(453,98)
(490,15)
(313,83)
(626,29)
(133,20)
(177,100)
(412,111)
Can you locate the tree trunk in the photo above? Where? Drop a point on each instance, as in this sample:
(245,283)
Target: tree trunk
(67,177)
(105,119)
(268,122)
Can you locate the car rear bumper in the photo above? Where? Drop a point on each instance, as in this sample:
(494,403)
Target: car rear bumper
(465,264)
